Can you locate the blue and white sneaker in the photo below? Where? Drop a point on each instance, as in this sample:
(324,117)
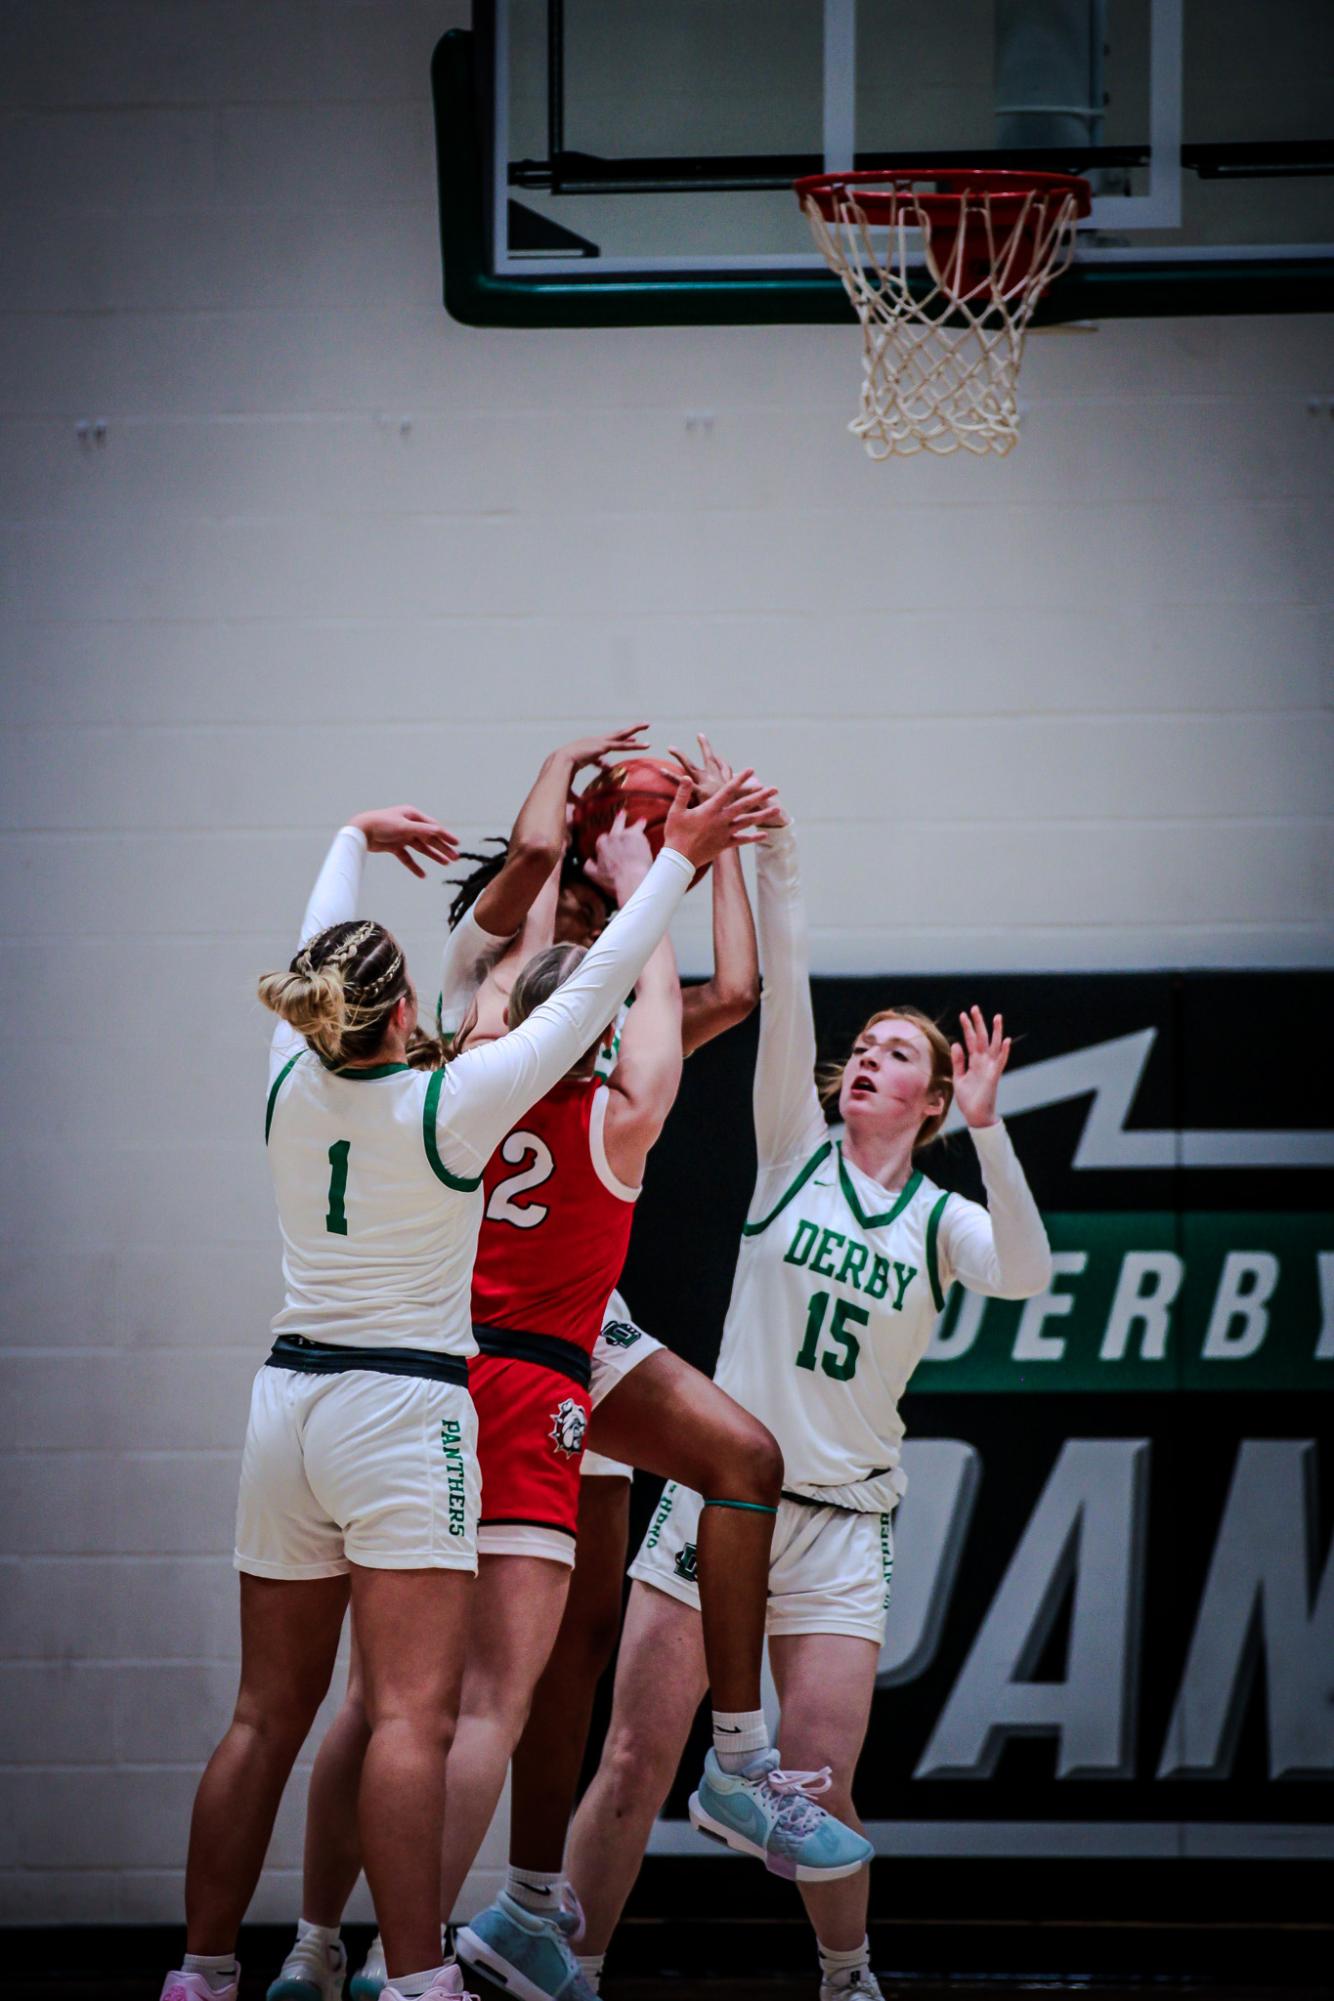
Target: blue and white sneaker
(777,1816)
(371,1977)
(311,1972)
(525,1954)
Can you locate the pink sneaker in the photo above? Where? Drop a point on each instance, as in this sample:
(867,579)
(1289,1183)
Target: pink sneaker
(194,1987)
(448,1982)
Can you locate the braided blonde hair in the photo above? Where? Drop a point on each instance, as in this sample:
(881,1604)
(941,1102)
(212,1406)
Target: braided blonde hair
(340,990)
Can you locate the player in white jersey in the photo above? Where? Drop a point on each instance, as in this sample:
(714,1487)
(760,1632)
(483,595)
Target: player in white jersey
(358,1481)
(844,1264)
(654,1407)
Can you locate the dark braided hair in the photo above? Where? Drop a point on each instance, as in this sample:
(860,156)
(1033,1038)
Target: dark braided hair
(469,887)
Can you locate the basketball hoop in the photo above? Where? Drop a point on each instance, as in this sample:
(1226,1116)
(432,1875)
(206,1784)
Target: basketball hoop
(942,362)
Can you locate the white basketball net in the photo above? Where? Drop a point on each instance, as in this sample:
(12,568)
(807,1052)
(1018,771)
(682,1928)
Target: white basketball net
(942,369)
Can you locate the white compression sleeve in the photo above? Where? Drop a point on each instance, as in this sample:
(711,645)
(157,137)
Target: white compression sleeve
(1002,1249)
(332,901)
(788,1118)
(338,884)
(486,1089)
(470,953)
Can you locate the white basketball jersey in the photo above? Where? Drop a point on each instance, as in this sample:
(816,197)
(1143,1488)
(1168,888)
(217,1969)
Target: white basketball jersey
(837,1288)
(378,1236)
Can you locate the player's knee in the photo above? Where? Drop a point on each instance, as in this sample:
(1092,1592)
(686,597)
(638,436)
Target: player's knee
(638,1769)
(282,1716)
(754,1465)
(423,1714)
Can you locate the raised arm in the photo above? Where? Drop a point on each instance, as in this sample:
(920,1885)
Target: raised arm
(486,1089)
(516,912)
(1002,1249)
(642,1088)
(789,1122)
(734,990)
(396,830)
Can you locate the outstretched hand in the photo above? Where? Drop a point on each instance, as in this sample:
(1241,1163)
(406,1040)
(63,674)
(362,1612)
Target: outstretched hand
(712,773)
(978,1064)
(622,859)
(399,830)
(734,817)
(612,747)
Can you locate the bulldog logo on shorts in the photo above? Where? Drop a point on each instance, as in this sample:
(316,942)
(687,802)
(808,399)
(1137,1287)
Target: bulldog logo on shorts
(621,1333)
(569,1423)
(686,1565)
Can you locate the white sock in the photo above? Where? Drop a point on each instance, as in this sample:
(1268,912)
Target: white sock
(536,1890)
(738,1734)
(590,1965)
(219,1969)
(325,1935)
(833,1964)
(415,1984)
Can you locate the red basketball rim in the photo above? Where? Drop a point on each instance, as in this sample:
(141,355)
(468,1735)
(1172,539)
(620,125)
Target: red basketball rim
(883,192)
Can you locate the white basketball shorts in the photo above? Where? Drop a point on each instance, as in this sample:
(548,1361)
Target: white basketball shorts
(357,1468)
(830,1570)
(620,1347)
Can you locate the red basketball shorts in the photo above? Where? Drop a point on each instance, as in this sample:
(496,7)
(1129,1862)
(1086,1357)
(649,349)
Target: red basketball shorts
(531,1425)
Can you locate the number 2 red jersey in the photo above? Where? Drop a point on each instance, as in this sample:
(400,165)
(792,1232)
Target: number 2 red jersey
(557,1221)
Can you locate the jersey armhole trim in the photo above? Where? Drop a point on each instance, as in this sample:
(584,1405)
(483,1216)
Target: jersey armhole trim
(910,1188)
(933,1252)
(461,1183)
(821,1153)
(277,1085)
(597,1147)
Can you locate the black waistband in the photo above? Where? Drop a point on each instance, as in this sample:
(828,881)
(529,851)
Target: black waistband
(548,1351)
(333,1358)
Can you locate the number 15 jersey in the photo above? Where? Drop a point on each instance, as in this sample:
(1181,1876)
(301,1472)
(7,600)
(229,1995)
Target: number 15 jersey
(839,1280)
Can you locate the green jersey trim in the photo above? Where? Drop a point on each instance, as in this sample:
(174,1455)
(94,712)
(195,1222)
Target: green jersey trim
(278,1083)
(821,1153)
(365,1073)
(914,1182)
(932,1254)
(461,1183)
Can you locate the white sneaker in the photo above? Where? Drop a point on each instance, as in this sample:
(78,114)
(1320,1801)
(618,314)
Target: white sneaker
(863,1986)
(311,1972)
(371,1978)
(447,1983)
(182,1986)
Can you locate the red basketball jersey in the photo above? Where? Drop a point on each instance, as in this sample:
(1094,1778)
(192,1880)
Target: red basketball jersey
(557,1222)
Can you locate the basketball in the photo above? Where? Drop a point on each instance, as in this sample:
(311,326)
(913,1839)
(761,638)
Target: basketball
(643,788)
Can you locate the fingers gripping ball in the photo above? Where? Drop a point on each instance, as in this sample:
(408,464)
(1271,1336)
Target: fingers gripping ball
(643,788)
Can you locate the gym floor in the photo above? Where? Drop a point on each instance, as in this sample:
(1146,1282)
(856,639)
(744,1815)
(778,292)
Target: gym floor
(1273,1959)
(91,1988)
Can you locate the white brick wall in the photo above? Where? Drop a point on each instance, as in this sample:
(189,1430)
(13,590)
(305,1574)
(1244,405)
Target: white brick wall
(1071,709)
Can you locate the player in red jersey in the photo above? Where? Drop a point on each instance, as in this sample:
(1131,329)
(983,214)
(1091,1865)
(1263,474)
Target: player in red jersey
(662,1414)
(655,1412)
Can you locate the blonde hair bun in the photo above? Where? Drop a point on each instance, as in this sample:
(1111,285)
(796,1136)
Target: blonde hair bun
(313,1003)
